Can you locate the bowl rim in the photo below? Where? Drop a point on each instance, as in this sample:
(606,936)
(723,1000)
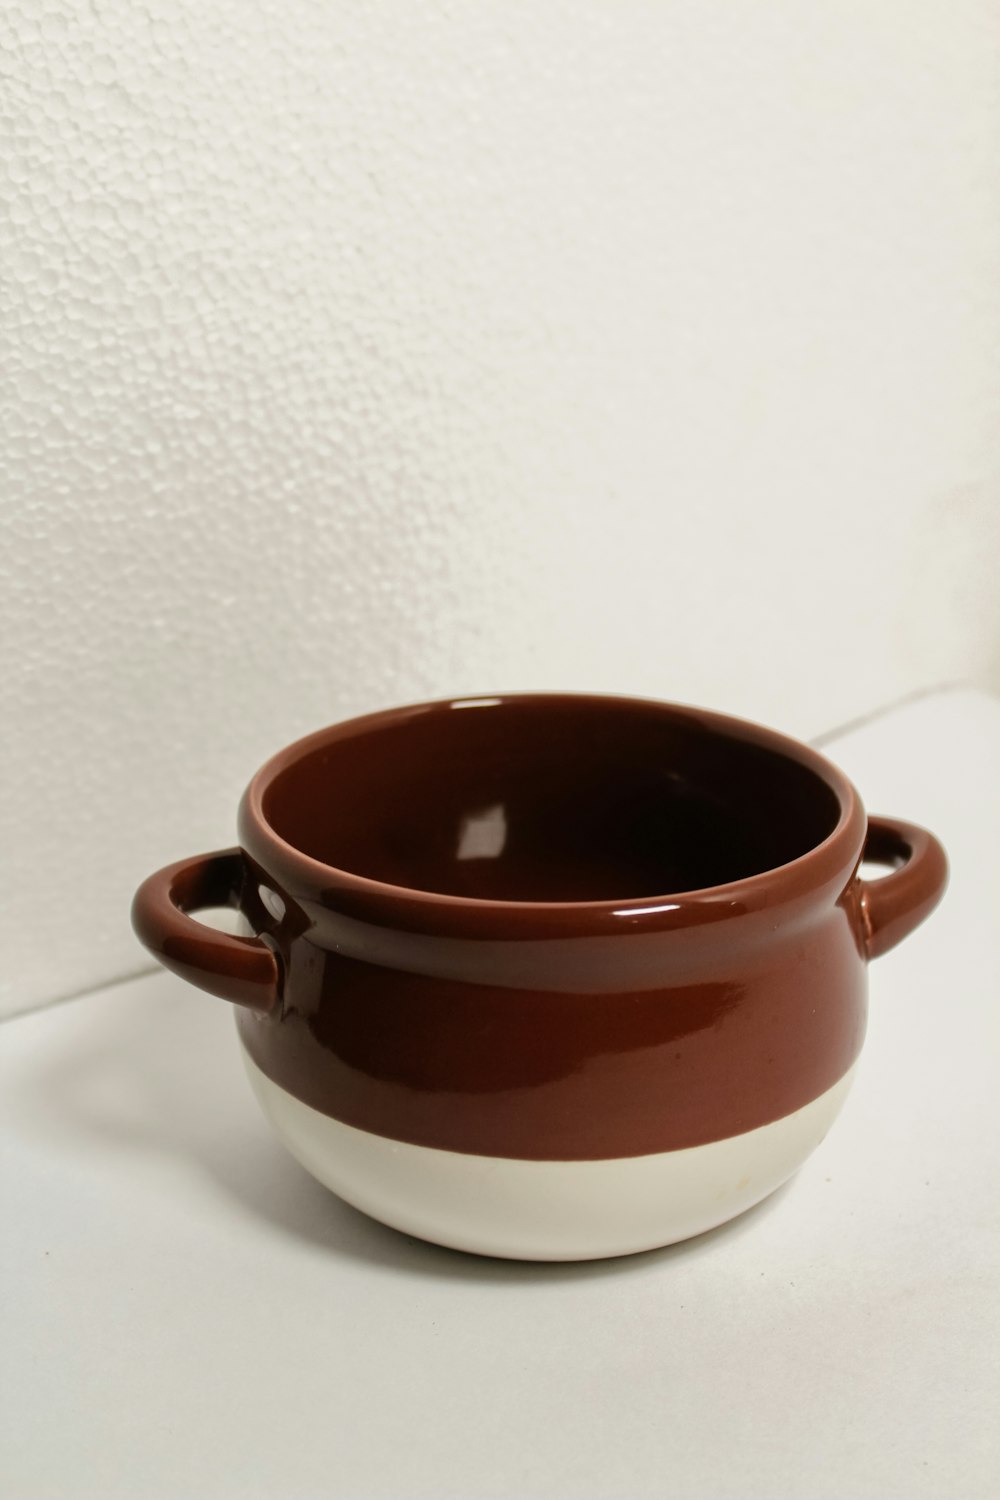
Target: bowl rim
(825,868)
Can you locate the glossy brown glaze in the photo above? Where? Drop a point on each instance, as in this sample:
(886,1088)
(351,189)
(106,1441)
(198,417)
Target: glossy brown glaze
(549,926)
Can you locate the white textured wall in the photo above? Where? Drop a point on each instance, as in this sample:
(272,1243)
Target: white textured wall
(358,352)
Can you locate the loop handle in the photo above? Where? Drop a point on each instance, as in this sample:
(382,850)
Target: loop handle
(894,905)
(241,969)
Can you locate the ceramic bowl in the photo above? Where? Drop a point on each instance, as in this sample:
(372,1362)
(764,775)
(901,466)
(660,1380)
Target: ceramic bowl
(548,976)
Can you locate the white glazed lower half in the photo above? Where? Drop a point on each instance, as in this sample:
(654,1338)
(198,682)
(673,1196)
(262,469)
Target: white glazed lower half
(547,1210)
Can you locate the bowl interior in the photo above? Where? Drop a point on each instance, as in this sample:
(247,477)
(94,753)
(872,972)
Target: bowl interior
(549,799)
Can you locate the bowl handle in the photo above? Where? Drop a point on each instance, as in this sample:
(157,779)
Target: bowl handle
(894,905)
(242,969)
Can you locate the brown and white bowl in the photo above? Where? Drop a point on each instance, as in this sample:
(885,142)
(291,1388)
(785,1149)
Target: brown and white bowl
(548,976)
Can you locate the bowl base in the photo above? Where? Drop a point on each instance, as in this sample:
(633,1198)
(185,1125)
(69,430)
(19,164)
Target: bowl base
(546,1210)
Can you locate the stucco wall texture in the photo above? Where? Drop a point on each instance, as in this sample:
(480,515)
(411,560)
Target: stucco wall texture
(361,352)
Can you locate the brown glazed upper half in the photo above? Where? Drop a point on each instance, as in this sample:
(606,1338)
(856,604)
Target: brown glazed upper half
(548,926)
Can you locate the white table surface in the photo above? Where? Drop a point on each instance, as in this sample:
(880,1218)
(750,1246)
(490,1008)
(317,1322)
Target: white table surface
(187,1314)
